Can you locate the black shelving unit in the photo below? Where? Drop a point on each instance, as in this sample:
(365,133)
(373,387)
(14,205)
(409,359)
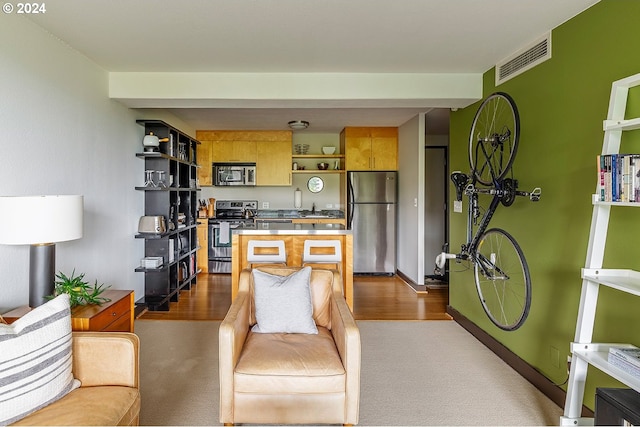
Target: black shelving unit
(177,202)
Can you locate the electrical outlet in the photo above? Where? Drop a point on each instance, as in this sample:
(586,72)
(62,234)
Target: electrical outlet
(457,206)
(329,206)
(265,205)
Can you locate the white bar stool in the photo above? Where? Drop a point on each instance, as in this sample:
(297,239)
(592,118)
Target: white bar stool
(308,257)
(277,255)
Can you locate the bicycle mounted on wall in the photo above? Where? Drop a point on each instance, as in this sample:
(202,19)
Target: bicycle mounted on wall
(501,272)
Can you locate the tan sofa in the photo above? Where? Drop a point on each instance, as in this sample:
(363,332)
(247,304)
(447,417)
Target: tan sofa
(107,365)
(291,378)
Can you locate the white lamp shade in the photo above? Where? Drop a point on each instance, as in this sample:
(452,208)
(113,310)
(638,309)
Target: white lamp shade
(40,219)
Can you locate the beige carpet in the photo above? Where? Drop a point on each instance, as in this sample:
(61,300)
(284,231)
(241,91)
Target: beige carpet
(413,373)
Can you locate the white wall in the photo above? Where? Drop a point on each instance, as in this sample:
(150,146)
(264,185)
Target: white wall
(61,134)
(410,254)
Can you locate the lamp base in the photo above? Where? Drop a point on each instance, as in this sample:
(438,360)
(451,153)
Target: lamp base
(42,261)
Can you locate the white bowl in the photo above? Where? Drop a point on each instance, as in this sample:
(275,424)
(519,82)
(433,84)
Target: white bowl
(328,150)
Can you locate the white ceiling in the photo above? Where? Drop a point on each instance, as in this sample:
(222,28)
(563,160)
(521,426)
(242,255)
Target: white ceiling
(343,36)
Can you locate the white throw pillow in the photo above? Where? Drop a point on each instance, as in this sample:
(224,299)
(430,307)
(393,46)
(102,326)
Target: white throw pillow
(35,360)
(283,303)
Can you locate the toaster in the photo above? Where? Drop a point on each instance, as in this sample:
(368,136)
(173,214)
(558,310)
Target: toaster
(152,224)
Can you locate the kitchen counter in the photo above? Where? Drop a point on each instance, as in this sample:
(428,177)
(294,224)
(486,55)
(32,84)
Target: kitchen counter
(296,213)
(293,236)
(268,228)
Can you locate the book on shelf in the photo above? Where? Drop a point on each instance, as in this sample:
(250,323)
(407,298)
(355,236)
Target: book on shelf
(618,177)
(630,355)
(622,364)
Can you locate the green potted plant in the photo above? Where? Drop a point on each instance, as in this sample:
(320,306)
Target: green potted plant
(79,291)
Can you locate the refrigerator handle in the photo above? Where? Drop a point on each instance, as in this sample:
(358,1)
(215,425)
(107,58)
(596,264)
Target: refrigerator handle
(350,191)
(350,204)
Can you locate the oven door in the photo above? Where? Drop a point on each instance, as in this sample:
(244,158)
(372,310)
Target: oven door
(220,247)
(220,234)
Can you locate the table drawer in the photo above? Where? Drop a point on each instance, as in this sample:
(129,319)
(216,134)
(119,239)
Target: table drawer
(121,324)
(97,318)
(109,314)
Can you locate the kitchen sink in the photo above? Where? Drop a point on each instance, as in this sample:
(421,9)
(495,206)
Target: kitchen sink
(285,213)
(319,214)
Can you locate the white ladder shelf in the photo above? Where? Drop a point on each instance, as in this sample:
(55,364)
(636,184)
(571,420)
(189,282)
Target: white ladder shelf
(584,351)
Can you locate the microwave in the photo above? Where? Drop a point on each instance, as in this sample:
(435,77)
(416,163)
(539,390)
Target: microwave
(234,174)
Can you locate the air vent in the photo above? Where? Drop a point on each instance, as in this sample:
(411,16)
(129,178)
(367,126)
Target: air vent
(532,55)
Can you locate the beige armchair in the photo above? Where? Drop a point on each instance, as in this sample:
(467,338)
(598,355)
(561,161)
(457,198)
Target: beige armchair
(106,363)
(291,378)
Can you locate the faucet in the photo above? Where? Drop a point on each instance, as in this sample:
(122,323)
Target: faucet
(313,209)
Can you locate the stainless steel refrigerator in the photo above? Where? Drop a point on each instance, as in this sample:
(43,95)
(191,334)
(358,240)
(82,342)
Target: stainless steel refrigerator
(371,215)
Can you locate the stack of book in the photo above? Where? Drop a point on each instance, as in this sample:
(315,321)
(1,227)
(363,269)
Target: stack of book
(619,177)
(626,358)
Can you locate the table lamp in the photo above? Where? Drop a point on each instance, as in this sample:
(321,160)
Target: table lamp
(40,221)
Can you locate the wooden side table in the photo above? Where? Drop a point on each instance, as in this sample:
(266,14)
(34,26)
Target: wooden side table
(115,315)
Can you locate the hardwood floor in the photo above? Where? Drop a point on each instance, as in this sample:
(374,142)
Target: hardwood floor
(375,298)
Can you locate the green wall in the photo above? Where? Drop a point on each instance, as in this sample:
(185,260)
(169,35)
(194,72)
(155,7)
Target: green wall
(562,104)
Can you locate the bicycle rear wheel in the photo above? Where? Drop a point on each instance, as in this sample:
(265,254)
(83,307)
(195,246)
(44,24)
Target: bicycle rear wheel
(502,279)
(494,136)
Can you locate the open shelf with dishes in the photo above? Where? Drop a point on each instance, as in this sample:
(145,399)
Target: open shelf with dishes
(171,198)
(309,163)
(305,162)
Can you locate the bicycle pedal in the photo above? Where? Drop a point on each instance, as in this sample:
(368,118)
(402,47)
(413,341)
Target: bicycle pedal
(535,195)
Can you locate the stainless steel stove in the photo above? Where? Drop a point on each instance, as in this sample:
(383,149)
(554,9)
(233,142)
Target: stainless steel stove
(235,209)
(229,215)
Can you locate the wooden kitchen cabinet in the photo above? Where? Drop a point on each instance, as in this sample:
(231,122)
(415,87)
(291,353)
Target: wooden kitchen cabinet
(229,146)
(202,255)
(370,148)
(269,150)
(233,151)
(274,162)
(205,171)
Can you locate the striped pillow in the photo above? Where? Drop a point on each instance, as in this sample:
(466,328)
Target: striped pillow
(35,360)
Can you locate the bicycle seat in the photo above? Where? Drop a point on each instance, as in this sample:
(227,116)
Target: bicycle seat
(460,181)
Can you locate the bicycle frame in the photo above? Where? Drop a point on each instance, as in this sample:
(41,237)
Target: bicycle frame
(469,249)
(500,192)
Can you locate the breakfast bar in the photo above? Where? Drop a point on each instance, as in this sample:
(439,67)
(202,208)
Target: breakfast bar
(294,236)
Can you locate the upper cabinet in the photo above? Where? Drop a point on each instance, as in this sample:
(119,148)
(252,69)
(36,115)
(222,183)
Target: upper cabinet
(234,151)
(229,146)
(370,148)
(273,166)
(204,164)
(269,150)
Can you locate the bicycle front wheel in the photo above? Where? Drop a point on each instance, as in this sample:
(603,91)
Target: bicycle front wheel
(494,136)
(502,279)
